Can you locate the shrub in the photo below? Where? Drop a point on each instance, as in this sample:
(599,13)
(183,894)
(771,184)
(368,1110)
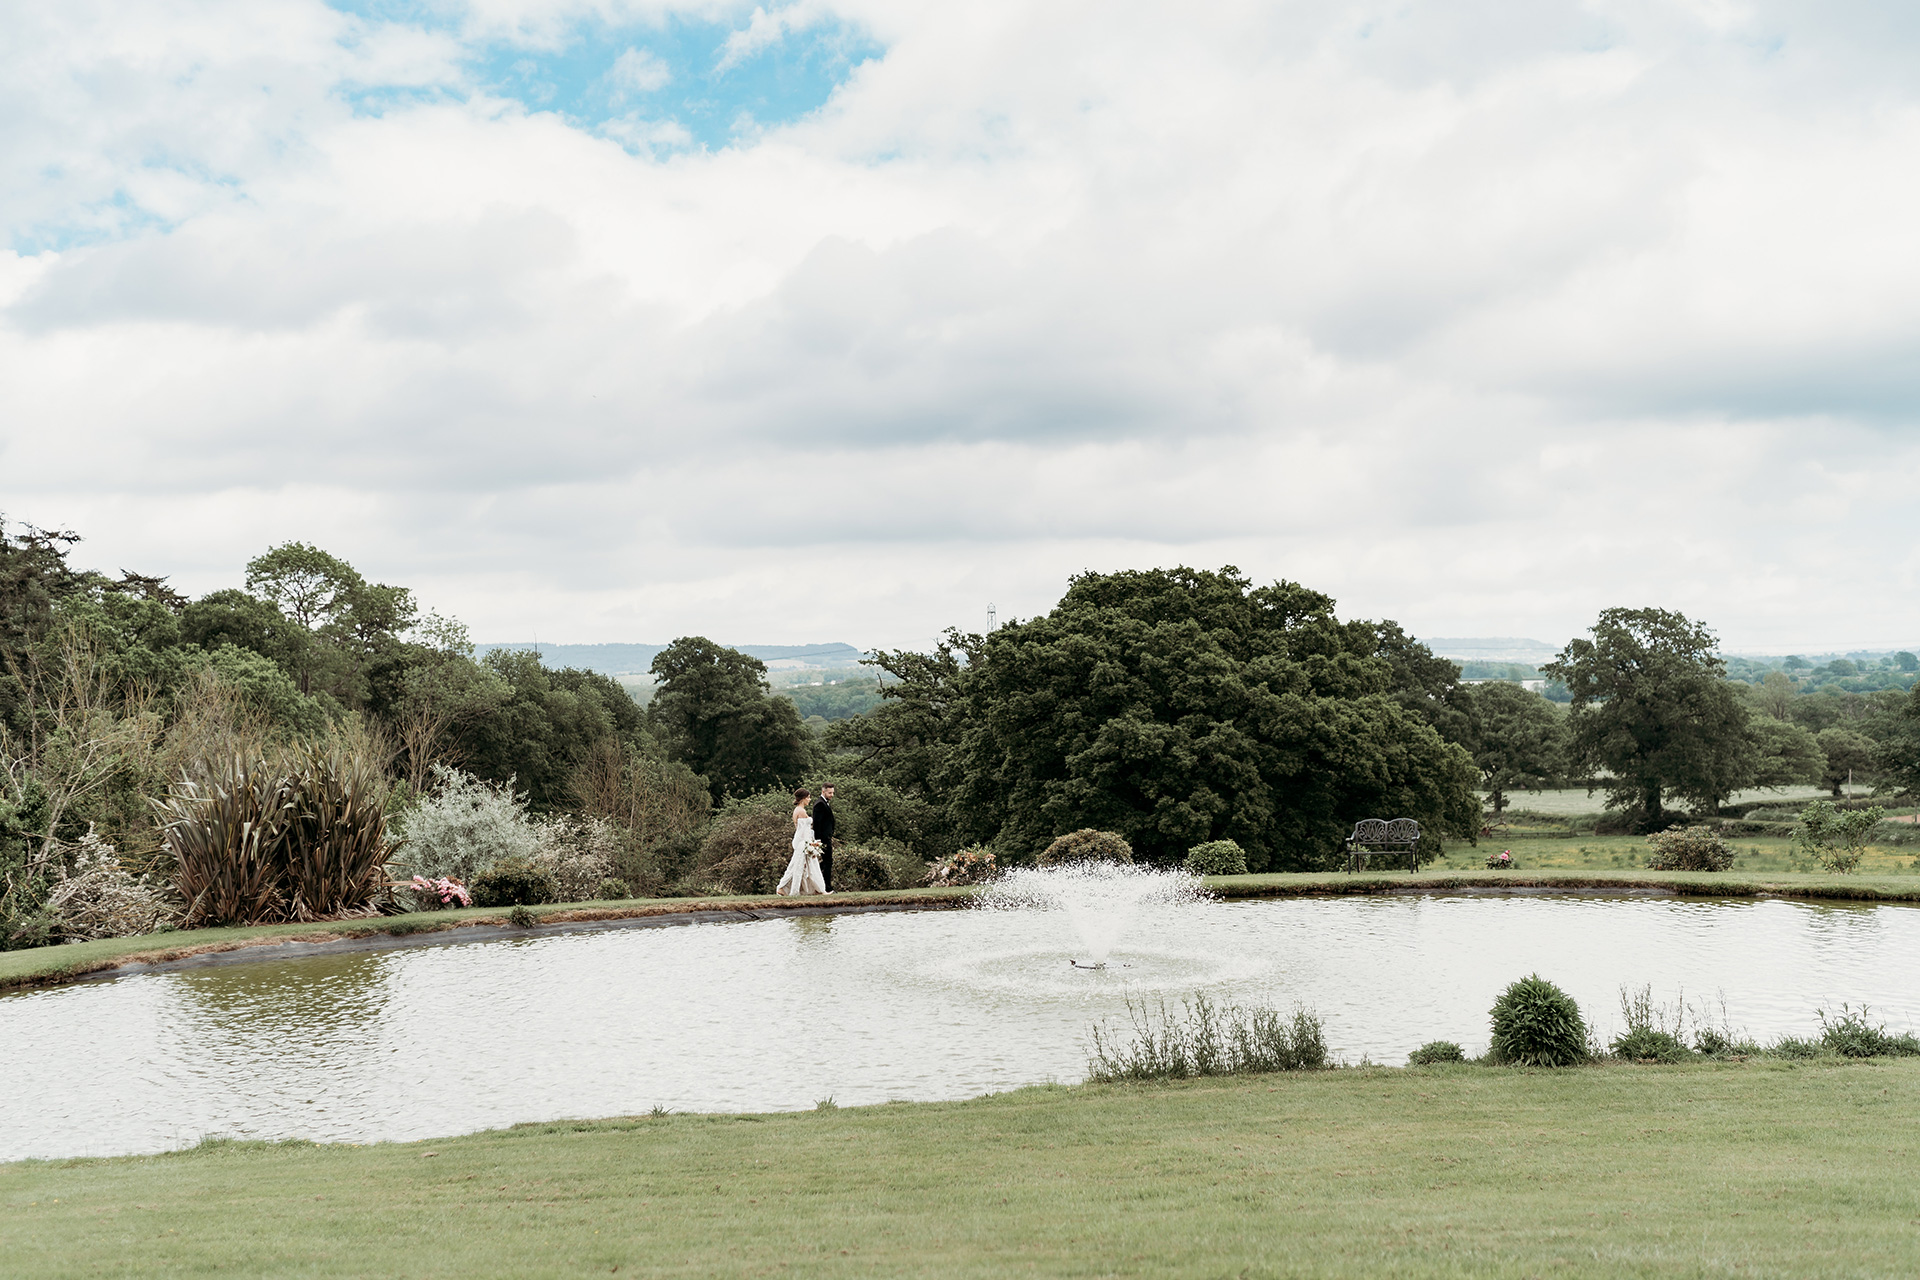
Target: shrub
(96,897)
(1208,1041)
(1217,858)
(1649,1045)
(748,846)
(578,853)
(513,882)
(1436,1051)
(858,867)
(1851,1036)
(1836,838)
(1501,861)
(1536,1024)
(1087,845)
(974,864)
(463,826)
(1689,849)
(611,890)
(522,918)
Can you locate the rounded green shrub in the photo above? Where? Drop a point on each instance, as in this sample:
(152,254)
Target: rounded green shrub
(857,868)
(1689,849)
(1217,858)
(612,890)
(1087,845)
(1645,1044)
(513,882)
(1536,1024)
(1436,1051)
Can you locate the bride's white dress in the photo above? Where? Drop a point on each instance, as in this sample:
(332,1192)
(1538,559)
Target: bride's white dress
(803,869)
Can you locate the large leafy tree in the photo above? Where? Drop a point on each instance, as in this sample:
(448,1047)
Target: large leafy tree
(545,727)
(1519,740)
(1179,706)
(718,716)
(1653,713)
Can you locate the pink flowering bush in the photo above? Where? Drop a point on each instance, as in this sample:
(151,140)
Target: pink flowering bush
(1501,861)
(430,894)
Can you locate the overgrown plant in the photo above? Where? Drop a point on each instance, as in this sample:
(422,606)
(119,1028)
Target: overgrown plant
(1207,1040)
(1836,838)
(1851,1035)
(1653,1032)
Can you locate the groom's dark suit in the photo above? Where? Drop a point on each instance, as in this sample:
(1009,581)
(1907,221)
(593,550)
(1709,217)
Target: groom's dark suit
(823,832)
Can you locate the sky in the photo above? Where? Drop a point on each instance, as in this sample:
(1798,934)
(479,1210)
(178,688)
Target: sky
(619,320)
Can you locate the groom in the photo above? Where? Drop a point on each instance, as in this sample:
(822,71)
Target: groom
(823,832)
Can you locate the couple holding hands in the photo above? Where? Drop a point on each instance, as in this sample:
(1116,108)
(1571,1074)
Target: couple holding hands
(810,870)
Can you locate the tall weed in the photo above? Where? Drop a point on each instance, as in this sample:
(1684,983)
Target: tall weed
(1205,1039)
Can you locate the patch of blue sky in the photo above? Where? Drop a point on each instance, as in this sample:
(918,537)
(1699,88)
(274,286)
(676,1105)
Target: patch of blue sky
(117,217)
(672,79)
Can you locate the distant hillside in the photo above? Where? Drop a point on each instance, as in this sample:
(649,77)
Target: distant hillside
(1492,649)
(630,659)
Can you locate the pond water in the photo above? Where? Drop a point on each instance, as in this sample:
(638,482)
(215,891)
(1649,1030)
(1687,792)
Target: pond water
(779,1014)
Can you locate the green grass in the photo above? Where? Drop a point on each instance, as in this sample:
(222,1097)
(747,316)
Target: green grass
(1573,803)
(1767,1168)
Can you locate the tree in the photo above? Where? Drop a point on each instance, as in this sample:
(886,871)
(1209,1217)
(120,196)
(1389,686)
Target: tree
(1519,740)
(1425,685)
(1775,695)
(303,582)
(1651,710)
(547,726)
(1784,754)
(719,718)
(1179,706)
(1847,753)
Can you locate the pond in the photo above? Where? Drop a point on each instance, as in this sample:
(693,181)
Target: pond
(780,1014)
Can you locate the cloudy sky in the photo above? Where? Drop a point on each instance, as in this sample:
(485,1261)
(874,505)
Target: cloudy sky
(627,319)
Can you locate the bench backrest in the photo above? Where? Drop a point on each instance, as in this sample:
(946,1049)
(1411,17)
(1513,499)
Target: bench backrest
(1381,831)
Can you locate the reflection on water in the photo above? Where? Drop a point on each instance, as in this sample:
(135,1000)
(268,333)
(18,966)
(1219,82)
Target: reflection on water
(781,1013)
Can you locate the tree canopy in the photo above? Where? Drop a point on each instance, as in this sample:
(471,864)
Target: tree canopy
(1175,707)
(1651,712)
(714,708)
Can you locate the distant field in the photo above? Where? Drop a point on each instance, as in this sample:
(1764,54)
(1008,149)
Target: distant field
(1572,802)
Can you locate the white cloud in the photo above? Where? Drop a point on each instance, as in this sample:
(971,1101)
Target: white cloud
(640,71)
(1476,318)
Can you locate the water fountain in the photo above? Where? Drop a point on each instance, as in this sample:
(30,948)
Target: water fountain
(1100,900)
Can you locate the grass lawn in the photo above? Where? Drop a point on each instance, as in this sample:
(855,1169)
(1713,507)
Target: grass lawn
(1761,1168)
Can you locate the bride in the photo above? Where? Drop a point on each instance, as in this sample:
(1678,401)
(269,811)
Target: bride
(803,869)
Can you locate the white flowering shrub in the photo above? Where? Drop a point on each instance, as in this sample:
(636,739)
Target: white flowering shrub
(462,826)
(578,853)
(96,897)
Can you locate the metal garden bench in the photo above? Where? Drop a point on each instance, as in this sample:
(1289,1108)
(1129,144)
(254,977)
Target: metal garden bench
(1372,835)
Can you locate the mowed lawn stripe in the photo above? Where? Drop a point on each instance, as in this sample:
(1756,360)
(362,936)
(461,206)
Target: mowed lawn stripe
(1767,1168)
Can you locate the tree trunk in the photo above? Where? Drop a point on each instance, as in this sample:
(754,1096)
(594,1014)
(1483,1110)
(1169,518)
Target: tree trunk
(1650,800)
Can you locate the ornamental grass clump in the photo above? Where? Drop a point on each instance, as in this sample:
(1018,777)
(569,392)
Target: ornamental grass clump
(1217,858)
(1688,849)
(1536,1024)
(1205,1039)
(1086,845)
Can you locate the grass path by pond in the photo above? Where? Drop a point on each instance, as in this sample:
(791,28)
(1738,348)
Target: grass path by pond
(1764,1168)
(46,966)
